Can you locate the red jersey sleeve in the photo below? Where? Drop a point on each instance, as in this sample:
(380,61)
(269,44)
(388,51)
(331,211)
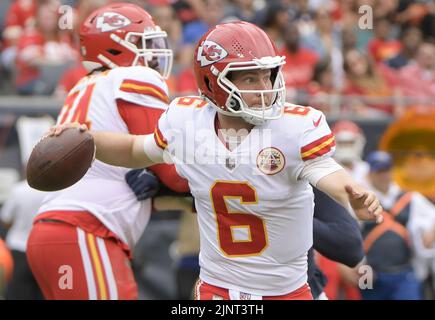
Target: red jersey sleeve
(143,120)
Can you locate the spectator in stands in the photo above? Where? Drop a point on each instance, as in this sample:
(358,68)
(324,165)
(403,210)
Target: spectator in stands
(383,46)
(415,13)
(417,80)
(428,23)
(354,36)
(321,89)
(276,19)
(300,62)
(384,9)
(411,38)
(325,40)
(326,37)
(366,81)
(188,10)
(210,13)
(300,13)
(19,17)
(349,39)
(44,46)
(389,247)
(322,78)
(17,216)
(349,13)
(245,10)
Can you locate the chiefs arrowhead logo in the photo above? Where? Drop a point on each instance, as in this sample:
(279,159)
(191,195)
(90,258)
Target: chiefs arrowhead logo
(210,52)
(110,21)
(270,161)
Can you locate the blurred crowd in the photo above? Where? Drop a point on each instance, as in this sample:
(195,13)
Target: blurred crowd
(367,58)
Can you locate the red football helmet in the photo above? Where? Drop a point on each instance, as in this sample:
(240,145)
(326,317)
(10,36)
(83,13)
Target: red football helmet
(123,35)
(238,46)
(350,141)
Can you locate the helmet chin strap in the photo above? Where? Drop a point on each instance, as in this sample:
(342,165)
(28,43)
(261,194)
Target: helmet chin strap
(253,120)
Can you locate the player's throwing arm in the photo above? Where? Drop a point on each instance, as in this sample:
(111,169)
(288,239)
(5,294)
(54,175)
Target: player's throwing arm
(123,150)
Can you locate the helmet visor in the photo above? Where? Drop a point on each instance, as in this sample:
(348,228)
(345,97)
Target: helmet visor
(153,51)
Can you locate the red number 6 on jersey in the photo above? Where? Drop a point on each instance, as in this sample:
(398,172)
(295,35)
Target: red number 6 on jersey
(228,221)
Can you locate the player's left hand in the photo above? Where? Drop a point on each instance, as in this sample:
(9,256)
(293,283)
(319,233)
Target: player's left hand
(365,204)
(143,183)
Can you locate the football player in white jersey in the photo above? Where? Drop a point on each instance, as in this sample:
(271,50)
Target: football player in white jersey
(85,232)
(249,158)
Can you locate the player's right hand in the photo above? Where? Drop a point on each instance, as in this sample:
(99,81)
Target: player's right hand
(57,130)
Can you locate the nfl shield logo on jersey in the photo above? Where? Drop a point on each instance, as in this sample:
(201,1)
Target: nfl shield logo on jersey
(270,161)
(230,163)
(245,296)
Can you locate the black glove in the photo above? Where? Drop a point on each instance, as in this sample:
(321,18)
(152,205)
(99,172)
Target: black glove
(144,184)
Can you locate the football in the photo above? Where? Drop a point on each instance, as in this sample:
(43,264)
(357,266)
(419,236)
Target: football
(57,162)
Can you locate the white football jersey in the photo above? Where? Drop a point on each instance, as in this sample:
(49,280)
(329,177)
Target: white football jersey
(255,216)
(103,190)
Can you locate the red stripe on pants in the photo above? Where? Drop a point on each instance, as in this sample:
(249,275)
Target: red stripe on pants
(55,258)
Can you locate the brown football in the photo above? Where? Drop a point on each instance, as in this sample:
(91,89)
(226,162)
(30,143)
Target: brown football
(58,162)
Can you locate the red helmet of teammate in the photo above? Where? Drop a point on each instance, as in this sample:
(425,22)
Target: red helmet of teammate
(238,46)
(123,35)
(350,141)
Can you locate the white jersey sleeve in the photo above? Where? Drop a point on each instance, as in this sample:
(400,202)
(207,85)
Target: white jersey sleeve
(173,132)
(174,121)
(163,128)
(141,86)
(309,136)
(315,170)
(317,139)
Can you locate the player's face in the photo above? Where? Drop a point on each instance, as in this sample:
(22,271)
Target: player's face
(253,80)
